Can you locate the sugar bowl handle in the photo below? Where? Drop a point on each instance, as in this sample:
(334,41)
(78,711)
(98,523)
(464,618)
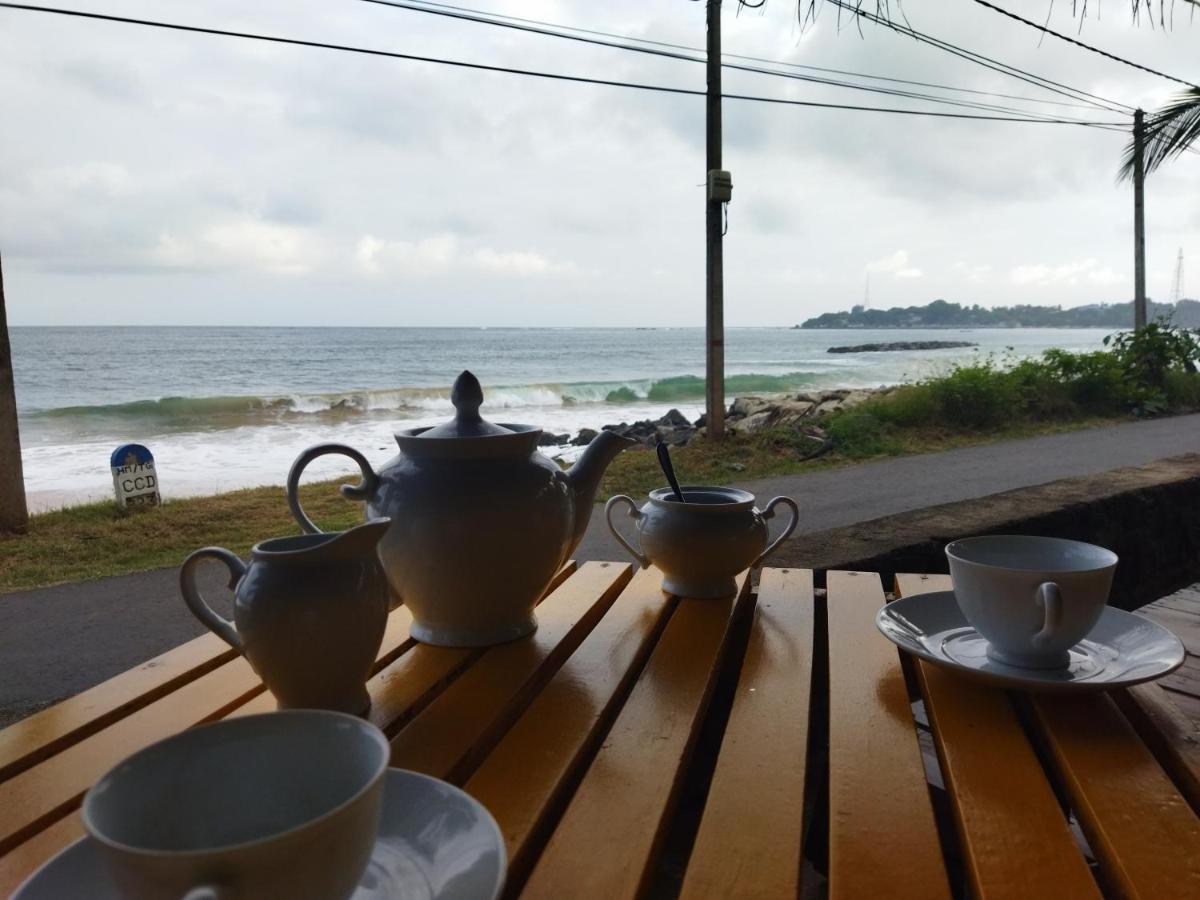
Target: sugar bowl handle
(223,628)
(769,513)
(635,514)
(364,490)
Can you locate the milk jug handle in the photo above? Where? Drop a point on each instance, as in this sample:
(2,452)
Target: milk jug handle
(364,490)
(1049,597)
(223,628)
(635,514)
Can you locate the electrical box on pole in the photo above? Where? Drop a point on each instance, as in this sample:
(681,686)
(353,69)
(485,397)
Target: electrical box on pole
(720,186)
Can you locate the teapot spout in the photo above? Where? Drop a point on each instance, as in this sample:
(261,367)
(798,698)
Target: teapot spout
(584,478)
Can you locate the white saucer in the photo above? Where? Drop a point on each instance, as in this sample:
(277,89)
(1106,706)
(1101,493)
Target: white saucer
(435,842)
(1122,649)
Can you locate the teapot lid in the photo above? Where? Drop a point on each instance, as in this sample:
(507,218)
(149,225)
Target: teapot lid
(467,397)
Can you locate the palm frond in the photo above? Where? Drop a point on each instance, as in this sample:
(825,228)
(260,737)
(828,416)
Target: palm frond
(1169,132)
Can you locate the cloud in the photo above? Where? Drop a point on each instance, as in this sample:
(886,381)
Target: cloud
(374,255)
(109,79)
(277,172)
(103,179)
(444,253)
(974,274)
(895,265)
(244,243)
(1084,271)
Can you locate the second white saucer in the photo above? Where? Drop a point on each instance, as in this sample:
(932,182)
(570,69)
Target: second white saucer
(1123,649)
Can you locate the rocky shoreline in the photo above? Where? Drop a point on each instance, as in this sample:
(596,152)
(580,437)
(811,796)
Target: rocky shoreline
(746,415)
(894,346)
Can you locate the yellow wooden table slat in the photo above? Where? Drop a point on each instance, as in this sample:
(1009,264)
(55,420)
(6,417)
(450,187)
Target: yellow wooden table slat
(448,738)
(25,858)
(1171,735)
(606,842)
(883,840)
(1004,808)
(752,831)
(34,798)
(405,686)
(47,791)
(524,780)
(1145,836)
(47,732)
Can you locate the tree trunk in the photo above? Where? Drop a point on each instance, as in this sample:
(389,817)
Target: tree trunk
(13,513)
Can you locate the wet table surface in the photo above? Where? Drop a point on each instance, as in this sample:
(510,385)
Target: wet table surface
(769,745)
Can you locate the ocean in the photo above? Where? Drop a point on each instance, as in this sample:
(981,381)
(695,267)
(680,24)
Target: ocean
(225,408)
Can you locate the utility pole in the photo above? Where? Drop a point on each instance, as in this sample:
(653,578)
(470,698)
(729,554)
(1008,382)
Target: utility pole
(1139,219)
(714,370)
(13,514)
(1177,283)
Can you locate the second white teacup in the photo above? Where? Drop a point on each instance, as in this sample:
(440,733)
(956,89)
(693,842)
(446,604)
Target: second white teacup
(1031,598)
(284,804)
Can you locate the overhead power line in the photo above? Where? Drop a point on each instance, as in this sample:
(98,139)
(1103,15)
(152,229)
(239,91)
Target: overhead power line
(548,30)
(684,52)
(985,61)
(533,73)
(1078,43)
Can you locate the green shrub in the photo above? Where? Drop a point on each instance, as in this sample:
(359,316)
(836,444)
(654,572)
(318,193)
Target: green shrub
(976,396)
(1182,390)
(1094,381)
(907,406)
(1146,372)
(1148,355)
(858,432)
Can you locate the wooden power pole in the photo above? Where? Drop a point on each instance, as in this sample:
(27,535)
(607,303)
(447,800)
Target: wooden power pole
(1139,219)
(714,371)
(13,514)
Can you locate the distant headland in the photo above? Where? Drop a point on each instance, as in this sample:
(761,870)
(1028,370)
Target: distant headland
(942,314)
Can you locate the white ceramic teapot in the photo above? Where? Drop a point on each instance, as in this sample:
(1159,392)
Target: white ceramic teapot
(481,521)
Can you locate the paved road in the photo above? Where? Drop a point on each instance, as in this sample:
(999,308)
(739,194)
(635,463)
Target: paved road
(57,641)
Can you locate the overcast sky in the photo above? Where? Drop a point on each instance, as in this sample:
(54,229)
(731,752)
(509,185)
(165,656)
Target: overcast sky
(150,177)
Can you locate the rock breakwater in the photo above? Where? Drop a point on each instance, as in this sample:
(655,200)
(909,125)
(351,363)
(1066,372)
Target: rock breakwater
(896,346)
(746,415)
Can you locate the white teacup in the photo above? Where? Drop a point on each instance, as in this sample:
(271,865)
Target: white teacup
(1031,598)
(284,804)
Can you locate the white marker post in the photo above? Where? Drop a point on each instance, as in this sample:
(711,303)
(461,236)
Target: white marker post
(134,480)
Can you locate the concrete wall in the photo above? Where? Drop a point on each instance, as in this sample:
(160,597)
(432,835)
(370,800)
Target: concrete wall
(1149,515)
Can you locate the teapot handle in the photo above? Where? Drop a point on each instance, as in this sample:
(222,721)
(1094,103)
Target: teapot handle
(364,490)
(223,628)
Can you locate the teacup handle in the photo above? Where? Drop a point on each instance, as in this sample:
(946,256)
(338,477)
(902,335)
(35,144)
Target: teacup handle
(635,514)
(364,490)
(222,628)
(1049,597)
(769,513)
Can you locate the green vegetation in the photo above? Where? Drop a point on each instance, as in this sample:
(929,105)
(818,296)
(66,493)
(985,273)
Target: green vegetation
(941,314)
(1149,372)
(1152,371)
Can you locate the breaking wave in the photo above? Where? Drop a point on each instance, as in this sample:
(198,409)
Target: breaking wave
(414,402)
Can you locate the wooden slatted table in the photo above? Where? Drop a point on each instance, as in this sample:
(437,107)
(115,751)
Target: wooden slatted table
(768,745)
